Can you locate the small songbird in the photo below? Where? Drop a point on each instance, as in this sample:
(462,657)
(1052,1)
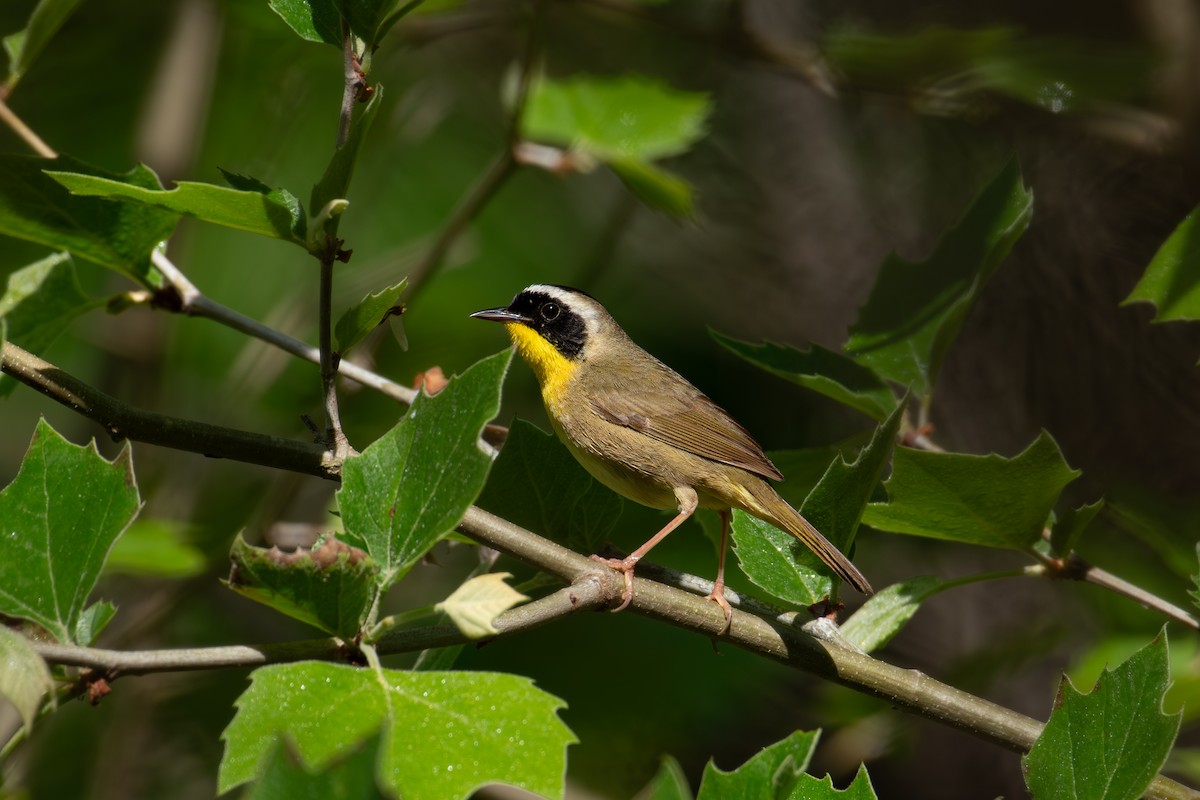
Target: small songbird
(643,431)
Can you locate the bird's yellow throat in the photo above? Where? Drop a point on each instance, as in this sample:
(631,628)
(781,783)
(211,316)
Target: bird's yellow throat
(551,367)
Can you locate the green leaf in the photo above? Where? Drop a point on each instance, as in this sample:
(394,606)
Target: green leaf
(1070,525)
(1195,593)
(35,208)
(1172,281)
(474,605)
(987,500)
(632,117)
(335,182)
(268,212)
(655,186)
(537,484)
(669,783)
(917,308)
(40,302)
(824,371)
(26,45)
(1107,744)
(155,547)
(772,774)
(25,679)
(58,519)
(444,734)
(412,485)
(93,621)
(887,611)
(312,20)
(777,562)
(330,586)
(812,788)
(351,777)
(368,314)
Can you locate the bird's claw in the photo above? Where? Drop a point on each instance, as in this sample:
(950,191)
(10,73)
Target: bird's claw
(625,567)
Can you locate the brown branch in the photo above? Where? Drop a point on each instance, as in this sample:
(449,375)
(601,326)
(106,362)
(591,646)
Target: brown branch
(26,133)
(1076,568)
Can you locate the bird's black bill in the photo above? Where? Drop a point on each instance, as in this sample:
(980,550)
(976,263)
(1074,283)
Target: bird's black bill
(500,315)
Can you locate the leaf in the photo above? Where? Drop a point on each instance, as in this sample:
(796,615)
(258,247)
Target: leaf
(537,484)
(155,547)
(40,302)
(986,500)
(1195,593)
(25,679)
(368,314)
(351,777)
(35,208)
(58,519)
(832,374)
(412,485)
(917,308)
(268,212)
(812,788)
(26,45)
(474,605)
(1107,744)
(656,187)
(313,20)
(669,783)
(887,611)
(330,586)
(93,621)
(1067,529)
(771,774)
(444,734)
(1172,281)
(335,182)
(777,562)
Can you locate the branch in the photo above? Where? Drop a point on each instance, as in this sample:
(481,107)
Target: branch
(18,126)
(125,422)
(1076,568)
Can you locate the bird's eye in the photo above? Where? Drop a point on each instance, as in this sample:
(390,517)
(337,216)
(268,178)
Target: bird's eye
(550,311)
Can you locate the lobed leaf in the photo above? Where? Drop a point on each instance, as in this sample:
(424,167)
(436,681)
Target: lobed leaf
(1066,530)
(411,487)
(832,374)
(916,309)
(812,788)
(351,777)
(330,586)
(1110,743)
(771,774)
(537,484)
(669,783)
(120,236)
(25,678)
(443,734)
(368,314)
(986,500)
(254,207)
(1172,280)
(887,611)
(58,519)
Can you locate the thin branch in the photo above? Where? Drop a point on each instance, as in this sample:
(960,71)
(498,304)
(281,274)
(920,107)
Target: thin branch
(125,422)
(1076,568)
(18,126)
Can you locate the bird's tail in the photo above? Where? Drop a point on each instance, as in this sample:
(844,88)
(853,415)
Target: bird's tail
(770,507)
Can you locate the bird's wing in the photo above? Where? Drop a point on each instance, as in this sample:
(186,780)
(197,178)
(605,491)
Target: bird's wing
(685,419)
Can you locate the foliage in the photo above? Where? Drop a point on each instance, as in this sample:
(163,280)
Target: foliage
(432,727)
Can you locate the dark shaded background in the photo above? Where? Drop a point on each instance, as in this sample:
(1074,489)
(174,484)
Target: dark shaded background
(801,195)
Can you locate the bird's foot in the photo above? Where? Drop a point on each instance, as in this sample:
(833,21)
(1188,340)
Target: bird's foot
(717,595)
(625,567)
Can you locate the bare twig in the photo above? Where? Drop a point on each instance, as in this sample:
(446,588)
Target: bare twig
(1076,568)
(18,126)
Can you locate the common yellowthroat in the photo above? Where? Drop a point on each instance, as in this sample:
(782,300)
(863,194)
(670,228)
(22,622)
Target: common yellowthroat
(643,431)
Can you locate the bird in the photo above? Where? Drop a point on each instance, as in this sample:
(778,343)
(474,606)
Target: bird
(641,429)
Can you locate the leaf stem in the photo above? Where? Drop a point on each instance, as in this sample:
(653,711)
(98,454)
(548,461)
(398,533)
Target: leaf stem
(26,133)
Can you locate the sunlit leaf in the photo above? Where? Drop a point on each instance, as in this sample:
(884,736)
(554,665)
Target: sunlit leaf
(444,734)
(368,314)
(313,20)
(412,485)
(58,519)
(987,500)
(916,309)
(813,788)
(474,605)
(1172,281)
(887,611)
(1107,744)
(772,774)
(24,679)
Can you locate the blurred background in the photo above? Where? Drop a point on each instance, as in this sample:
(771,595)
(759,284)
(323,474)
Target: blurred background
(839,133)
